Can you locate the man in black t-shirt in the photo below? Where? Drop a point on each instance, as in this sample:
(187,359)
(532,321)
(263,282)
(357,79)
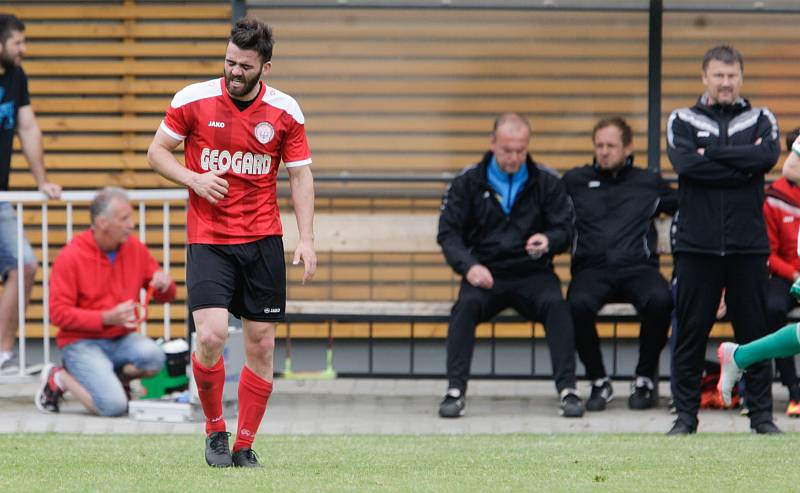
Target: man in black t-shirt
(16,115)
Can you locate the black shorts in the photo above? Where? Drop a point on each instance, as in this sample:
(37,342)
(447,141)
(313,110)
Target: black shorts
(249,279)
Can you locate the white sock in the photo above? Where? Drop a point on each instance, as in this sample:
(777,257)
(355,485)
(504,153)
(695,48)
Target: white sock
(57,378)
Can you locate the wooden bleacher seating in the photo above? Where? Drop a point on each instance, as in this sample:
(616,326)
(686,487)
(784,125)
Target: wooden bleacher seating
(383,90)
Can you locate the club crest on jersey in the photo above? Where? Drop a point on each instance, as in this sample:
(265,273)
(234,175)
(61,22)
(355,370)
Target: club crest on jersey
(264,132)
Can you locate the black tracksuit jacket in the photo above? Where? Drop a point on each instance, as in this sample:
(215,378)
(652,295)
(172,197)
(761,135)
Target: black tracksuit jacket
(722,191)
(614,215)
(474,229)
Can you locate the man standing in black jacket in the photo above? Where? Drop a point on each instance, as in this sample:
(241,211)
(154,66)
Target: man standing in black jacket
(721,148)
(613,260)
(501,222)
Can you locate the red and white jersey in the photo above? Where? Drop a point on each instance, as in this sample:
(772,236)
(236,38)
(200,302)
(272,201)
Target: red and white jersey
(249,145)
(782,215)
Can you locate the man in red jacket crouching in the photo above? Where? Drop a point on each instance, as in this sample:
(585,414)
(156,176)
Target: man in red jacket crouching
(93,291)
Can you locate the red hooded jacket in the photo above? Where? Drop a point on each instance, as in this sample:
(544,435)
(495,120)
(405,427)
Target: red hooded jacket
(85,283)
(782,214)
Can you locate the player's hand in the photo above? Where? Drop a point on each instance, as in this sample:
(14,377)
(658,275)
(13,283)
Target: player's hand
(210,186)
(537,245)
(305,253)
(480,277)
(123,314)
(52,190)
(161,281)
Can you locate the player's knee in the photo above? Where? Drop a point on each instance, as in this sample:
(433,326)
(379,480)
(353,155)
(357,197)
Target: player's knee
(152,360)
(582,305)
(267,345)
(112,405)
(658,304)
(30,272)
(210,341)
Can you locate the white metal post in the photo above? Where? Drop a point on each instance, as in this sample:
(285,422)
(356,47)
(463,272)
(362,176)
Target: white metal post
(21,289)
(167,334)
(142,230)
(45,284)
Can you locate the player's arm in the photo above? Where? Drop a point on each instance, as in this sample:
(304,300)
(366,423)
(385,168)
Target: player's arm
(31,138)
(207,185)
(791,167)
(301,182)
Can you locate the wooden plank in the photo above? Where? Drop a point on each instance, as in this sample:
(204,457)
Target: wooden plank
(70,86)
(197,11)
(411,68)
(84,161)
(326,143)
(281,16)
(448,86)
(183,49)
(84,124)
(78,105)
(555,47)
(480,126)
(71,180)
(420,106)
(97,142)
(154,329)
(183,67)
(530,46)
(452,30)
(158,31)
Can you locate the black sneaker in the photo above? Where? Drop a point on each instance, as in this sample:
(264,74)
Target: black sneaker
(766,428)
(680,428)
(453,404)
(644,394)
(602,394)
(245,457)
(571,404)
(218,454)
(48,396)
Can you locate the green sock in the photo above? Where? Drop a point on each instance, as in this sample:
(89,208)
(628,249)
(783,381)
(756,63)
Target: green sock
(780,344)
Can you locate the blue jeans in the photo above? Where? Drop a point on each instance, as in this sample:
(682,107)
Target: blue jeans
(8,241)
(94,363)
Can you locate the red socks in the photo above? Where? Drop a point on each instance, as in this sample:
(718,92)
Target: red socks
(210,382)
(254,392)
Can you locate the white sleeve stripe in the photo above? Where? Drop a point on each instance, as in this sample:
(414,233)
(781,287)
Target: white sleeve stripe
(304,162)
(170,132)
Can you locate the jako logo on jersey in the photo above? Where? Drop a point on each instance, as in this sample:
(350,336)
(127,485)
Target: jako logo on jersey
(214,124)
(264,132)
(241,163)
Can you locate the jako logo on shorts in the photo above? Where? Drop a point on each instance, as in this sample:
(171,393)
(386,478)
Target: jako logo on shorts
(245,163)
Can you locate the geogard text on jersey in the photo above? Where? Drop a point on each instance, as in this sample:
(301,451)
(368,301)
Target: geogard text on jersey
(245,163)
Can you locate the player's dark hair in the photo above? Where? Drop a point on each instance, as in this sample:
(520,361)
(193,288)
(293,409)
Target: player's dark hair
(726,54)
(249,33)
(791,137)
(9,23)
(615,121)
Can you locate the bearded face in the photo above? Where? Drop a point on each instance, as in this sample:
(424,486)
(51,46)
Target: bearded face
(12,51)
(243,70)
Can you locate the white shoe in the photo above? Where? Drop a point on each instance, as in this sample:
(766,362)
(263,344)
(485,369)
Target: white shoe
(9,365)
(729,373)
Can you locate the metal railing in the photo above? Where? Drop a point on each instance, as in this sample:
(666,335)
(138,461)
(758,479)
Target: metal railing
(20,199)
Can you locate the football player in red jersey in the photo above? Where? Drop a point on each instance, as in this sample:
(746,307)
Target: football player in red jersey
(236,130)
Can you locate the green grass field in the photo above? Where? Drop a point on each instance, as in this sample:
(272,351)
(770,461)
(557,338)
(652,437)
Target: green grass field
(462,463)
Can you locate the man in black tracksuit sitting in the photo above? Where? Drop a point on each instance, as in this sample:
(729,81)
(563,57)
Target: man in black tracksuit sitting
(721,148)
(501,222)
(613,259)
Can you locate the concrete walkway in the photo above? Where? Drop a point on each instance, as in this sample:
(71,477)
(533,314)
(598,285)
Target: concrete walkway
(391,407)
